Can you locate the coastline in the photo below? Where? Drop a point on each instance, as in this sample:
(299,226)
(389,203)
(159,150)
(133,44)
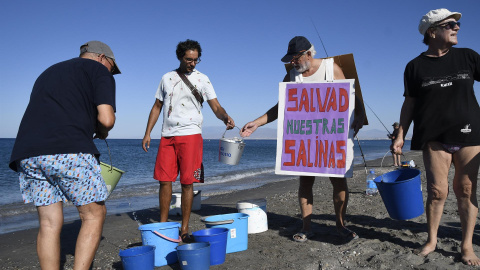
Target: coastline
(384,243)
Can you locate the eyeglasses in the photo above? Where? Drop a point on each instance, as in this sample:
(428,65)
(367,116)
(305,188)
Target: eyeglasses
(111,64)
(448,25)
(190,60)
(297,57)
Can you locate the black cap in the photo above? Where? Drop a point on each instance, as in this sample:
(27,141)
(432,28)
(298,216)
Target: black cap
(396,124)
(296,45)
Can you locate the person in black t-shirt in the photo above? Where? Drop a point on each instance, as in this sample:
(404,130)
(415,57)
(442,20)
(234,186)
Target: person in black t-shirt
(440,100)
(72,102)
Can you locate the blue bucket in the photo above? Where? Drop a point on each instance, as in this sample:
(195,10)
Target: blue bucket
(164,236)
(138,258)
(237,224)
(217,237)
(401,192)
(194,256)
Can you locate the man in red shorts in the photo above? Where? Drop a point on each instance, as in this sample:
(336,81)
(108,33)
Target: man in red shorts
(182,91)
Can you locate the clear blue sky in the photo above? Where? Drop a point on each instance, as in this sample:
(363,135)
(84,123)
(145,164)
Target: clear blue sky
(242,42)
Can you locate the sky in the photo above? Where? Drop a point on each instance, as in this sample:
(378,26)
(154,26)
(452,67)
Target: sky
(242,43)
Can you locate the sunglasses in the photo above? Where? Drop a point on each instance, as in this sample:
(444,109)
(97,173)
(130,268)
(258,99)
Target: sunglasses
(111,64)
(297,57)
(448,25)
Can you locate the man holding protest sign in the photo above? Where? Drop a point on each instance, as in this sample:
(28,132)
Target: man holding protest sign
(308,69)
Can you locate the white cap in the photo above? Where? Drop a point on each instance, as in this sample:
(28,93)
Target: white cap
(434,16)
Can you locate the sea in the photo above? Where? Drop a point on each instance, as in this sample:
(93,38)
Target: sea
(138,190)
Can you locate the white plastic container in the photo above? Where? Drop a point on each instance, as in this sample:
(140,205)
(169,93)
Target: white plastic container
(176,203)
(230,150)
(257,211)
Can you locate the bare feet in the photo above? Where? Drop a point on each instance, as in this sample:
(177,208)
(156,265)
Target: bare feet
(469,258)
(425,250)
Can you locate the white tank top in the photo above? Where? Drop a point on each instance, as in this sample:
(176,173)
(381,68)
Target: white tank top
(323,73)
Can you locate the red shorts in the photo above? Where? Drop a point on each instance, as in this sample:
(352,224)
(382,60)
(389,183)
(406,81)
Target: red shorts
(180,154)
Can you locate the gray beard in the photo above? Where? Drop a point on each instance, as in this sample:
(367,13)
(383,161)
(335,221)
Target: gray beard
(303,67)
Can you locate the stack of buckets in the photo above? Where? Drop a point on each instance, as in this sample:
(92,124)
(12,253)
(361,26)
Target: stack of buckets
(224,234)
(163,236)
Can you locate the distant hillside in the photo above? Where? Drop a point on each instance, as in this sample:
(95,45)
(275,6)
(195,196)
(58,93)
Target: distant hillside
(271,133)
(217,132)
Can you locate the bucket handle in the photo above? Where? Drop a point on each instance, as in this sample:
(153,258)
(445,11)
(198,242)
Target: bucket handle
(220,222)
(111,163)
(223,136)
(168,238)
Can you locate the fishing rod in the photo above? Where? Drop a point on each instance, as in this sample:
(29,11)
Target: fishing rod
(319,36)
(363,156)
(389,134)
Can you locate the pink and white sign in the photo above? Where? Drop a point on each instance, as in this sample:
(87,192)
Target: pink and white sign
(314,136)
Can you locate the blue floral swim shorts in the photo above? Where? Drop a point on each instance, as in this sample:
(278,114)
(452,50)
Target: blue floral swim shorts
(48,179)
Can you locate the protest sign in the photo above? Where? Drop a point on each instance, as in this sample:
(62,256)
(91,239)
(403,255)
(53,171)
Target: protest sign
(313,134)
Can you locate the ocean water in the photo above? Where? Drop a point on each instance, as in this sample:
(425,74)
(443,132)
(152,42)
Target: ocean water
(138,190)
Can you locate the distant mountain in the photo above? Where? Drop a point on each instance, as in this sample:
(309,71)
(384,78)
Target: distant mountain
(264,133)
(372,134)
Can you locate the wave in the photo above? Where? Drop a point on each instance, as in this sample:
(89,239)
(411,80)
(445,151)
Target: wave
(228,177)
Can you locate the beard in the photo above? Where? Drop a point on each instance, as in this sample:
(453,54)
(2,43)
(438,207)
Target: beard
(303,67)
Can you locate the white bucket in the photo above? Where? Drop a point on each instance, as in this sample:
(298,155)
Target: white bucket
(230,150)
(257,211)
(176,202)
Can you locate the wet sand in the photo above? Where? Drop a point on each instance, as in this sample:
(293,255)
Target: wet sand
(384,243)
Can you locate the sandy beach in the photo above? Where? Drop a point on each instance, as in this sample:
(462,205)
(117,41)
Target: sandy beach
(384,243)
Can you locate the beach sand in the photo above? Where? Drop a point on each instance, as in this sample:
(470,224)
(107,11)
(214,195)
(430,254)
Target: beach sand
(384,243)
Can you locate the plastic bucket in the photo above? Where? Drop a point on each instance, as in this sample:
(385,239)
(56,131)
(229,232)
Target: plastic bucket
(237,225)
(257,211)
(230,150)
(217,237)
(164,236)
(176,202)
(401,192)
(138,258)
(194,256)
(111,176)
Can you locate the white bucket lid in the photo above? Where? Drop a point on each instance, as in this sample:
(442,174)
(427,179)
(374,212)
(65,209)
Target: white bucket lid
(247,204)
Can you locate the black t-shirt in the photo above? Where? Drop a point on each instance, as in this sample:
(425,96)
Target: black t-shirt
(61,117)
(446,109)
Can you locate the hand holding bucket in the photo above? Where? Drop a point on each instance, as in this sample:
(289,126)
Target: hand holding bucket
(230,150)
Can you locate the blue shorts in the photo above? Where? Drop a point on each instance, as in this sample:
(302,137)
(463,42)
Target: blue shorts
(48,179)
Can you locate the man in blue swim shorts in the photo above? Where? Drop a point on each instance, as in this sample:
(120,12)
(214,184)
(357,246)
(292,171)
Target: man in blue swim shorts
(71,103)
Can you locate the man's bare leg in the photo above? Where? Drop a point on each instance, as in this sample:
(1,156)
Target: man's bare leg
(164,198)
(93,217)
(305,199)
(187,201)
(48,240)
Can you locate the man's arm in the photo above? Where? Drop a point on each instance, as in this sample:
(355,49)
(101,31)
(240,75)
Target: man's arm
(220,113)
(105,120)
(152,120)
